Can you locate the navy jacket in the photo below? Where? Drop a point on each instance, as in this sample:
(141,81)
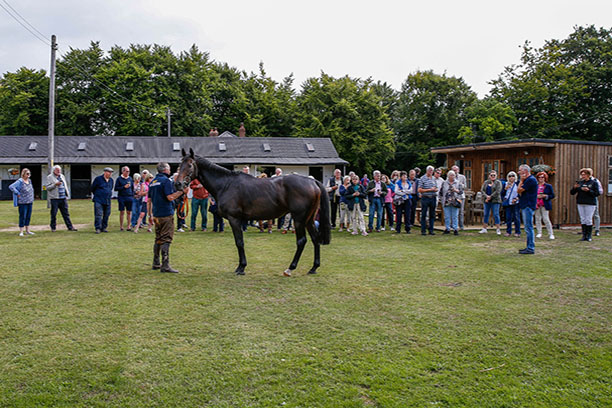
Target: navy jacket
(102,190)
(350,200)
(548,190)
(529,197)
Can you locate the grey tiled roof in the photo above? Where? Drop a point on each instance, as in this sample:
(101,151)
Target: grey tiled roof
(112,149)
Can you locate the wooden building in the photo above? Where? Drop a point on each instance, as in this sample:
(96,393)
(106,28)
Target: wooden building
(566,157)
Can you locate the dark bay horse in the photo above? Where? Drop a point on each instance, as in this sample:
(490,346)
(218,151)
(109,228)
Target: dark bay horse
(241,197)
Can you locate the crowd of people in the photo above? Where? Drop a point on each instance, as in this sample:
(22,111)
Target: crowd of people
(391,200)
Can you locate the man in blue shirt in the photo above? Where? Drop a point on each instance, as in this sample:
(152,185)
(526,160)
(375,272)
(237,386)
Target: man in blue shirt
(102,190)
(124,186)
(161,196)
(528,190)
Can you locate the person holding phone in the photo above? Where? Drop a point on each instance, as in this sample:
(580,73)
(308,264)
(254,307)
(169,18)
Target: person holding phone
(124,186)
(586,191)
(491,189)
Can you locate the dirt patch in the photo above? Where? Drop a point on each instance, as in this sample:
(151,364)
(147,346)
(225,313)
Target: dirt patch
(39,228)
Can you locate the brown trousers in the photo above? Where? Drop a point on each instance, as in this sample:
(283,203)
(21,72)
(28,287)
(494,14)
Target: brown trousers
(164,230)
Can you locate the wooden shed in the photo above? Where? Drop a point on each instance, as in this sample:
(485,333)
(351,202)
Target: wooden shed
(566,157)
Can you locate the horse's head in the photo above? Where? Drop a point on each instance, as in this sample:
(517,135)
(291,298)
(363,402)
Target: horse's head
(187,171)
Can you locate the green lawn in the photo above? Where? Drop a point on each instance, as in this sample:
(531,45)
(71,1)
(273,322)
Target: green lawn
(389,321)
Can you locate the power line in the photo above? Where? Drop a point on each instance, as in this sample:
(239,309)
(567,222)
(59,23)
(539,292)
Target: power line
(24,19)
(37,36)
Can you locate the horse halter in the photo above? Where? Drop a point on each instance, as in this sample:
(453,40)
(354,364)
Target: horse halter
(192,175)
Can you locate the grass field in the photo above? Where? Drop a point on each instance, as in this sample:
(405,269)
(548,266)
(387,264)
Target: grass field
(389,321)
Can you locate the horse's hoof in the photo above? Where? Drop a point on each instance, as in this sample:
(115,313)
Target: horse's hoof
(239,272)
(287,273)
(312,272)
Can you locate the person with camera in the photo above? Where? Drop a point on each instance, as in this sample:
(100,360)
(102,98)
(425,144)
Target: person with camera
(403,203)
(23,198)
(543,206)
(58,195)
(510,204)
(586,191)
(345,214)
(356,195)
(451,193)
(333,190)
(491,189)
(377,190)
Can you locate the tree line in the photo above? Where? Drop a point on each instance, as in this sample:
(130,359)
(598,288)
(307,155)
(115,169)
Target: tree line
(561,90)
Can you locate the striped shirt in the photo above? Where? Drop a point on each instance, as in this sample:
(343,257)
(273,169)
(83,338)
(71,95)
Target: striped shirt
(426,183)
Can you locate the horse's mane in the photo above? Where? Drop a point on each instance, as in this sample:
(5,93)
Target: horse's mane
(206,164)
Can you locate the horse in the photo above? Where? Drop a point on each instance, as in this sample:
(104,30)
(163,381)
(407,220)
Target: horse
(242,197)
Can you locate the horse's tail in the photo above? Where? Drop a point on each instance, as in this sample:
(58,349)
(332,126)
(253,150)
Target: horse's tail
(324,220)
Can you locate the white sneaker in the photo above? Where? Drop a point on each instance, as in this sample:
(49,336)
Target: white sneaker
(483,231)
(539,236)
(551,236)
(382,228)
(30,233)
(180,230)
(498,231)
(21,234)
(392,229)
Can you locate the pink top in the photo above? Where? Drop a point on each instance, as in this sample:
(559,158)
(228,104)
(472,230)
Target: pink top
(145,189)
(540,202)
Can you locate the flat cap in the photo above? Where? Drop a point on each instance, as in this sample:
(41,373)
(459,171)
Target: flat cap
(109,169)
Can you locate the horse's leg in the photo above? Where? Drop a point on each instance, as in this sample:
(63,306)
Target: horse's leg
(236,225)
(312,231)
(300,236)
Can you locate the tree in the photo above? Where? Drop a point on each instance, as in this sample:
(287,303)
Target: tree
(488,120)
(430,112)
(24,103)
(350,113)
(564,88)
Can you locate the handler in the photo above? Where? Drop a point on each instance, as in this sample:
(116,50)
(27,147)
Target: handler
(161,196)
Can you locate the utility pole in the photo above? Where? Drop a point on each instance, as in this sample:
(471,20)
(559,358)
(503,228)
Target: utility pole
(168,115)
(52,104)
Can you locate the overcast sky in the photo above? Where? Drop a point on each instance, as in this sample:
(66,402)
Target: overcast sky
(385,40)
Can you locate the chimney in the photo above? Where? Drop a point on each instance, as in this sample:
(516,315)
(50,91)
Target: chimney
(241,130)
(212,132)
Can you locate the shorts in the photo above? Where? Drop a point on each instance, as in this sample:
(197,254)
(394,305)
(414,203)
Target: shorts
(125,203)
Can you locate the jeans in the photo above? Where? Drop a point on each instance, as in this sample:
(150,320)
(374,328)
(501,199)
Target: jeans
(60,204)
(218,223)
(101,214)
(491,207)
(388,208)
(25,212)
(202,205)
(403,210)
(428,204)
(413,207)
(451,217)
(376,205)
(513,216)
(528,222)
(136,209)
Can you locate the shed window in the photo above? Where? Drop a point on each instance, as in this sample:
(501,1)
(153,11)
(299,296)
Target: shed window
(266,147)
(129,146)
(176,146)
(81,146)
(310,147)
(32,146)
(222,147)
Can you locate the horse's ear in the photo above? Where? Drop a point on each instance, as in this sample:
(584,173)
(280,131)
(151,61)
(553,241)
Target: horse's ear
(183,152)
(191,152)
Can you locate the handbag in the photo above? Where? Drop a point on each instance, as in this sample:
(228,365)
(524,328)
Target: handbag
(398,200)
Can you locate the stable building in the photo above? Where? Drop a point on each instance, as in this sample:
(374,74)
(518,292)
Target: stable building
(84,157)
(566,157)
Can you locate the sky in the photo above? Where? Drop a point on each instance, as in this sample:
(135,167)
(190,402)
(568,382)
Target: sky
(381,39)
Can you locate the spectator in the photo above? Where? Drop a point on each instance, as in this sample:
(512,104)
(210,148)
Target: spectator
(137,200)
(414,194)
(491,190)
(199,202)
(246,170)
(365,181)
(417,171)
(543,205)
(388,204)
(356,204)
(395,175)
(403,203)
(160,203)
(102,191)
(596,218)
(511,206)
(125,195)
(218,223)
(462,180)
(528,192)
(23,198)
(278,172)
(144,192)
(333,189)
(586,190)
(345,214)
(58,195)
(181,204)
(281,220)
(450,195)
(429,191)
(376,190)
